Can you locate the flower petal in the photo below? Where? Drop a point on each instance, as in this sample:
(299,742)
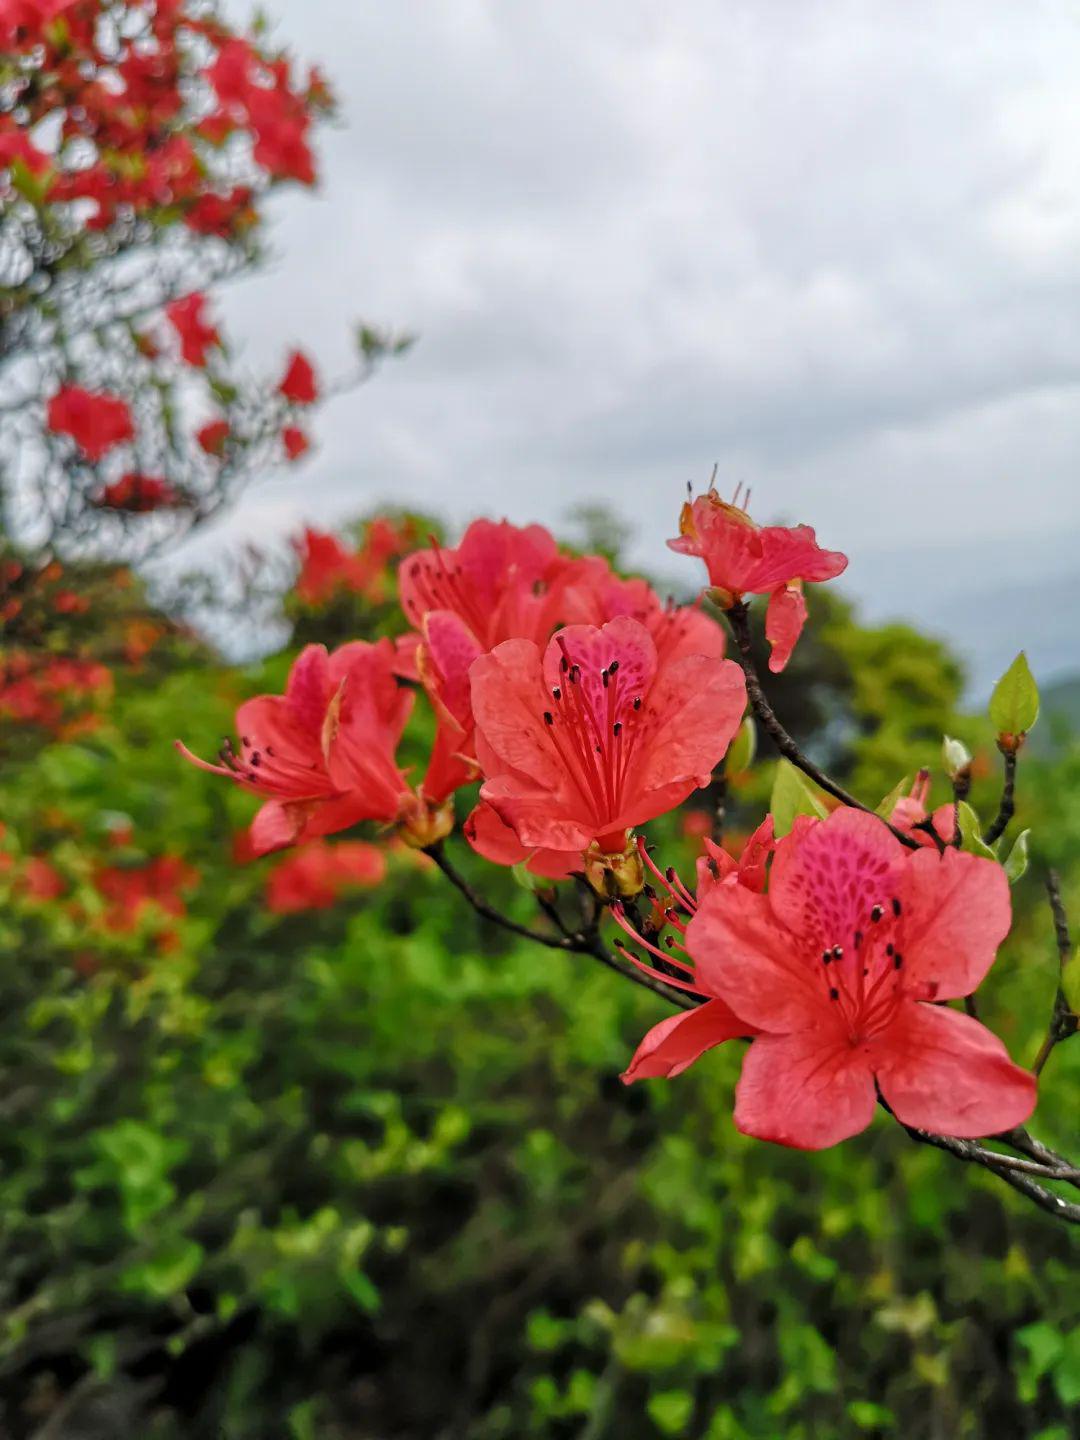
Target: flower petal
(784,621)
(745,957)
(696,706)
(956,912)
(827,877)
(810,1090)
(942,1071)
(677,1042)
(491,837)
(507,693)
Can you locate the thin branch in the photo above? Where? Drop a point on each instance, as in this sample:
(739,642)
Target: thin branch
(575,942)
(1063,1022)
(1007,803)
(973,1154)
(738,615)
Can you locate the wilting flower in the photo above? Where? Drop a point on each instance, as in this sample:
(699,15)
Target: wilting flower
(322,754)
(298,384)
(195,334)
(597,733)
(314,876)
(745,558)
(837,972)
(96,422)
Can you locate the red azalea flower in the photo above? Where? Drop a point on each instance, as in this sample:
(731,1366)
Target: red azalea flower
(96,422)
(910,814)
(298,384)
(835,972)
(196,336)
(322,754)
(314,876)
(745,558)
(325,567)
(41,880)
(295,441)
(131,890)
(492,838)
(138,494)
(212,436)
(597,734)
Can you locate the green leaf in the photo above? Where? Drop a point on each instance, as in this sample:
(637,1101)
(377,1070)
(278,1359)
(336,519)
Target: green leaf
(1070,981)
(971,833)
(1014,705)
(792,796)
(1017,863)
(670,1411)
(524,877)
(888,805)
(743,748)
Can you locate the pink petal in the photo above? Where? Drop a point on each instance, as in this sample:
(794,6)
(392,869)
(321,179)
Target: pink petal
(784,620)
(809,1090)
(490,837)
(696,707)
(677,1042)
(745,957)
(308,687)
(942,1071)
(535,816)
(792,553)
(508,704)
(450,647)
(827,878)
(275,826)
(956,912)
(594,648)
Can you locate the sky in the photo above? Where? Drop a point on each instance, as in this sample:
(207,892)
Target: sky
(832,249)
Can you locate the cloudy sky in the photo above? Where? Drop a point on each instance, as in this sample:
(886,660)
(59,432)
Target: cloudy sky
(833,248)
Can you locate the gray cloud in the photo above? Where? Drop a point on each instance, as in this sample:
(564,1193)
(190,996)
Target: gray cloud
(833,248)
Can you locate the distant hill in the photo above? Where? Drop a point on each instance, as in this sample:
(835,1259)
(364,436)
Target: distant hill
(1059,716)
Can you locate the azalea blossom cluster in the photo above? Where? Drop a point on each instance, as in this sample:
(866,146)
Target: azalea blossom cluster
(583,707)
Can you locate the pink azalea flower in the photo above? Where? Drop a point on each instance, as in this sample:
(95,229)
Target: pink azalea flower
(597,734)
(322,754)
(594,594)
(836,972)
(745,558)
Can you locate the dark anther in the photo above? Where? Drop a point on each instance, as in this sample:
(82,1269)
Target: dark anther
(669,941)
(613,667)
(599,749)
(616,729)
(637,703)
(256,758)
(604,677)
(564,664)
(834,994)
(556,694)
(549,718)
(714,869)
(898,960)
(270,751)
(896,906)
(858,938)
(826,957)
(575,671)
(837,952)
(889,949)
(244,740)
(876,913)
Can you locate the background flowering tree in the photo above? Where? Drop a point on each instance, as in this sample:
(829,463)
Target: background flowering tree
(138,143)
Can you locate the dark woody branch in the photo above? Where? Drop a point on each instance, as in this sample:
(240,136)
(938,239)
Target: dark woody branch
(1007,803)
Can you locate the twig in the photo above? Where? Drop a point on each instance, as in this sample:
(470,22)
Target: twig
(1063,1022)
(738,616)
(974,1154)
(576,942)
(1007,803)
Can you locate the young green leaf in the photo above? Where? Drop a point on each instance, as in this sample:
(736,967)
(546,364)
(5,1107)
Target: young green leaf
(1014,705)
(792,796)
(1017,863)
(1070,981)
(888,805)
(971,833)
(743,748)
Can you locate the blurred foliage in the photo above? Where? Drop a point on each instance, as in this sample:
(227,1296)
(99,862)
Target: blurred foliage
(369,1173)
